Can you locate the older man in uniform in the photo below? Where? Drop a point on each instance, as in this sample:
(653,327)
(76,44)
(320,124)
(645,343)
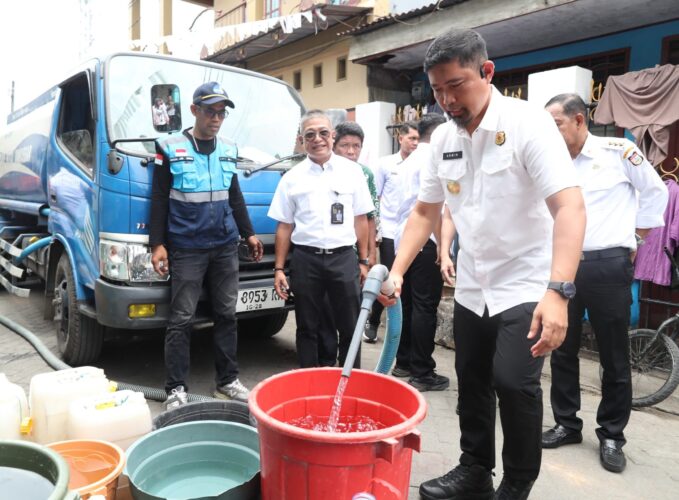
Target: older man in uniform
(502,169)
(321,206)
(612,172)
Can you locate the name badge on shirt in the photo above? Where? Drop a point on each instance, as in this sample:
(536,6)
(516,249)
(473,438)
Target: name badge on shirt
(336,213)
(452,155)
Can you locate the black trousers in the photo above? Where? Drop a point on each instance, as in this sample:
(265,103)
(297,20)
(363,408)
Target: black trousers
(604,289)
(327,336)
(313,276)
(189,269)
(420,297)
(387,256)
(492,358)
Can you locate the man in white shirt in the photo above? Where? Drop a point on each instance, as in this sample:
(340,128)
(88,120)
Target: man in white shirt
(422,284)
(503,169)
(612,173)
(387,183)
(321,206)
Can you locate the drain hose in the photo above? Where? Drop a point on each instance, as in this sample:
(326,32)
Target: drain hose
(376,280)
(57,364)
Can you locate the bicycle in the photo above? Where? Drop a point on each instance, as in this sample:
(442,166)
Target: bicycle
(654,358)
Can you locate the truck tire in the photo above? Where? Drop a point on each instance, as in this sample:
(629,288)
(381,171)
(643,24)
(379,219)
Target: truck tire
(263,326)
(79,337)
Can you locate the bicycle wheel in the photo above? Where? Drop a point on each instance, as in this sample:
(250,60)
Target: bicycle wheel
(655,367)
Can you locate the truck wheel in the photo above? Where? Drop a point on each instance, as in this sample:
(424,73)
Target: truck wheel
(79,337)
(263,326)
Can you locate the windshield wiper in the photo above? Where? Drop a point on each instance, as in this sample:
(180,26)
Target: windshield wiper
(249,171)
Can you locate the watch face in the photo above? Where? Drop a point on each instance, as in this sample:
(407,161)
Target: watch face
(568,289)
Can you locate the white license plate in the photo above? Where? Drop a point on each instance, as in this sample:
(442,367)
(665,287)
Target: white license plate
(254,299)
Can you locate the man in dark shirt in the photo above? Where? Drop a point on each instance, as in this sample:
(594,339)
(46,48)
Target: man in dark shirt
(197,215)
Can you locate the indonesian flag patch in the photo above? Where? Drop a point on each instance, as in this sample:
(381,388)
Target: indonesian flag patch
(181,151)
(158,160)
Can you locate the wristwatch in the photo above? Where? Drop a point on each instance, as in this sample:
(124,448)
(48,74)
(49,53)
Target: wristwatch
(565,288)
(365,262)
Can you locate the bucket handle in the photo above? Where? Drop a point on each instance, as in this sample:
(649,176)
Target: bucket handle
(386,448)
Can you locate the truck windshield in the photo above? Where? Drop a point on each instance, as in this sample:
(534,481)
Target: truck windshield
(263,124)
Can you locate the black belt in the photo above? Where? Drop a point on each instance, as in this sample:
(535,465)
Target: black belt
(606,253)
(326,251)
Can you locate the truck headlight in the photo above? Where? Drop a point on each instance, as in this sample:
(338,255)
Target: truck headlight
(127,262)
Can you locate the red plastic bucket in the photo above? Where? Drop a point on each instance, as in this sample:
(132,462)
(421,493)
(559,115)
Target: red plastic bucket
(299,464)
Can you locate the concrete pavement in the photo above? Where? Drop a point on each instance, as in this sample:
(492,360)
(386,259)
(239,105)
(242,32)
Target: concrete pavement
(571,472)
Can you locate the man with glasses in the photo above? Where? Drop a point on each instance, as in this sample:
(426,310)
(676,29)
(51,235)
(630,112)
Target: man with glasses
(197,215)
(321,206)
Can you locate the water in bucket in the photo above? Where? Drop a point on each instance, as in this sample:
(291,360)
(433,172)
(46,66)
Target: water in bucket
(24,484)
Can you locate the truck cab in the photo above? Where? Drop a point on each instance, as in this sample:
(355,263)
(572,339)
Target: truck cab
(84,189)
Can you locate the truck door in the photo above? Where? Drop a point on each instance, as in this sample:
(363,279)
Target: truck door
(72,193)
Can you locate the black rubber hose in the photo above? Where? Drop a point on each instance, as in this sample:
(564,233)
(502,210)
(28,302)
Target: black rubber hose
(57,364)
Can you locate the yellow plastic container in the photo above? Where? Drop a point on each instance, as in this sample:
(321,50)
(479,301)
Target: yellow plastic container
(94,466)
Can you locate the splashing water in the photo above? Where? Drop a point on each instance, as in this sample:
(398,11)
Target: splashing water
(333,419)
(335,423)
(346,423)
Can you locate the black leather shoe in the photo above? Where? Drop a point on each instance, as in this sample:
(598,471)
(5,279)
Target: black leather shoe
(464,482)
(513,489)
(559,435)
(433,382)
(611,456)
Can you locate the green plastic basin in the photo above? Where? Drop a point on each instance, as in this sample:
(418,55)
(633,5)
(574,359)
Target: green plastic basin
(195,460)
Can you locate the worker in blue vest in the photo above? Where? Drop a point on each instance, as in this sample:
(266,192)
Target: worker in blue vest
(197,216)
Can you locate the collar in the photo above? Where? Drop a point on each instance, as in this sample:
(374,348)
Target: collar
(326,166)
(589,147)
(491,118)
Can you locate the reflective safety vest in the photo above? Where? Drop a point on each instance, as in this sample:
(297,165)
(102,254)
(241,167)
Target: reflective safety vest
(199,212)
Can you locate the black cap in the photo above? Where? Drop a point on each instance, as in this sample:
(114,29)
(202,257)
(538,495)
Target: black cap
(210,93)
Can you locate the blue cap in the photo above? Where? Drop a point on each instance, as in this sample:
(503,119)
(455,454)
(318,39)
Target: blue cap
(211,93)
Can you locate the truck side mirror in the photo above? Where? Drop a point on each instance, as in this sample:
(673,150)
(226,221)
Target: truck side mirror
(114,161)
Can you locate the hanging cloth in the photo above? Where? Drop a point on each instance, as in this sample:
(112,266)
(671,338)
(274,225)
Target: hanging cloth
(646,103)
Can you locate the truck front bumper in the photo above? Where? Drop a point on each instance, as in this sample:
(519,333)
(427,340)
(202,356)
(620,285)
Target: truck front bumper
(113,304)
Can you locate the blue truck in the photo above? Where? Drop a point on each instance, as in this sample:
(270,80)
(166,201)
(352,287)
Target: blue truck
(76,168)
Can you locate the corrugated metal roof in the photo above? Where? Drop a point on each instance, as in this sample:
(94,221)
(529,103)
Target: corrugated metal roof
(404,16)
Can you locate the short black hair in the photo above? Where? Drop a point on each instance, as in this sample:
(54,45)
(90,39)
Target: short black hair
(348,128)
(428,123)
(465,46)
(572,104)
(406,127)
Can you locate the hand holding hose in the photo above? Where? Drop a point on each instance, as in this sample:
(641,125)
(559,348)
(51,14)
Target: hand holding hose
(391,289)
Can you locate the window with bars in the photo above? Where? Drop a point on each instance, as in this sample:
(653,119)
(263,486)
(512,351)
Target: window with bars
(603,65)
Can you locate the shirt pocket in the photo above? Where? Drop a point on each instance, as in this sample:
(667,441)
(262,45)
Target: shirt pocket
(187,173)
(455,183)
(501,177)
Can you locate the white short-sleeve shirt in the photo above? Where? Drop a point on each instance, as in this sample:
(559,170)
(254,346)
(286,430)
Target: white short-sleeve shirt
(305,196)
(612,172)
(495,183)
(388,186)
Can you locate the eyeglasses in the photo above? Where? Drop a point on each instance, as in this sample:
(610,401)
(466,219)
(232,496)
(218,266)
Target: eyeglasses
(311,134)
(211,113)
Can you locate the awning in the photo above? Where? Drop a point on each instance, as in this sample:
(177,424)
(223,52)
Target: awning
(400,42)
(273,38)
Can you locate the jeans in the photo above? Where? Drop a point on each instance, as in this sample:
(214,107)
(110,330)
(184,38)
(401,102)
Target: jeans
(189,268)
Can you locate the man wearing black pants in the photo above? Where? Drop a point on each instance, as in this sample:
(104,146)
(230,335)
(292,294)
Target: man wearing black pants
(612,171)
(422,284)
(504,173)
(321,206)
(388,185)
